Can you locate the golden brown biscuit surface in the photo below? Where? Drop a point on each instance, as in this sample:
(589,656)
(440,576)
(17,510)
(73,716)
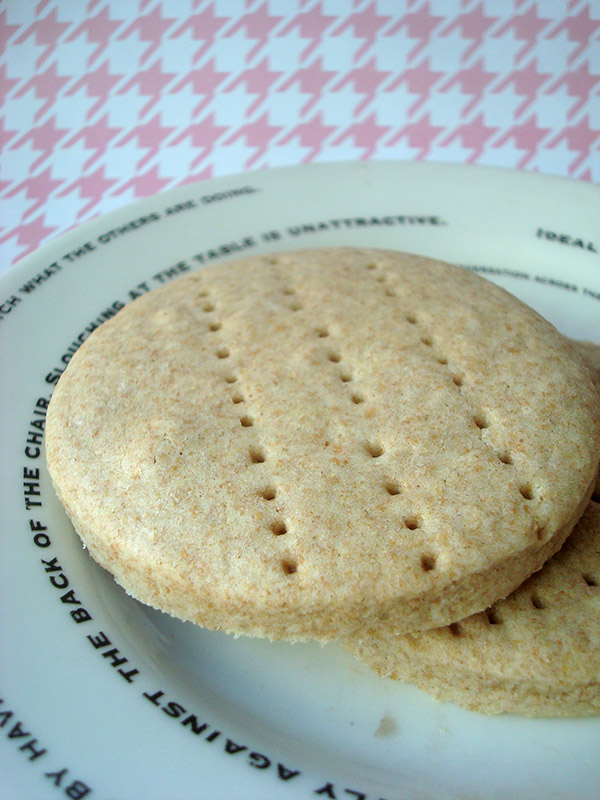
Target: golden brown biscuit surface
(300,445)
(537,652)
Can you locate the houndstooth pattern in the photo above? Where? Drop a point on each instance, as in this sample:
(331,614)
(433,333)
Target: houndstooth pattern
(105,101)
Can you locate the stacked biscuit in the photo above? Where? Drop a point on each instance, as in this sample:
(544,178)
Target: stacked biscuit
(349,445)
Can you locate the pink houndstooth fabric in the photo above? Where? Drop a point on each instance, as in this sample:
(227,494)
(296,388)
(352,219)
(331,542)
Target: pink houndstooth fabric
(105,101)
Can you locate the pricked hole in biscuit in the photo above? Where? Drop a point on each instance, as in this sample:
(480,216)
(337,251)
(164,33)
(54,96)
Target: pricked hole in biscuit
(481,422)
(203,293)
(392,488)
(289,566)
(526,491)
(246,421)
(208,306)
(457,380)
(505,458)
(237,398)
(345,377)
(492,616)
(357,398)
(412,523)
(373,449)
(590,580)
(455,629)
(540,533)
(381,278)
(371,265)
(390,292)
(230,379)
(287,291)
(215,326)
(426,341)
(295,306)
(257,455)
(335,357)
(322,333)
(412,318)
(222,352)
(536,602)
(278,527)
(427,562)
(268,493)
(442,360)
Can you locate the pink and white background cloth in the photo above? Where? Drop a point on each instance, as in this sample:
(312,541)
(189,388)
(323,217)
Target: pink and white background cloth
(106,101)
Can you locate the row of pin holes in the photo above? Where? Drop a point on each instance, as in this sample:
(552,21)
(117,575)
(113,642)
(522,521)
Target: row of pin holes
(525,490)
(428,562)
(493,617)
(356,397)
(537,603)
(295,304)
(246,420)
(257,456)
(376,451)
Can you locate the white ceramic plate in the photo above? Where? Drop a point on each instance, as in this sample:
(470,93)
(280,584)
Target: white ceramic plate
(104,698)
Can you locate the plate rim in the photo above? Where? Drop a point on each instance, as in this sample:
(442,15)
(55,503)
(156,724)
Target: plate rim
(573,184)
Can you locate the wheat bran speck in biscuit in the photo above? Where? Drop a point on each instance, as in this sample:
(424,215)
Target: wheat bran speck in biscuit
(536,653)
(300,445)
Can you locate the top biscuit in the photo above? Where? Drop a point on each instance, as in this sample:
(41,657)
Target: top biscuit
(305,444)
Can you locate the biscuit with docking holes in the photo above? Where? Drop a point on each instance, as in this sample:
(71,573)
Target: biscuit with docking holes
(300,445)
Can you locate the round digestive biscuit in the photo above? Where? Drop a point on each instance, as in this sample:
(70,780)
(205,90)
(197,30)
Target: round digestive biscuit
(300,445)
(535,653)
